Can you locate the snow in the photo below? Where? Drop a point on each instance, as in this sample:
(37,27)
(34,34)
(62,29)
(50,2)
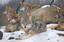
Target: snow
(42,37)
(51,26)
(45,6)
(7,35)
(48,36)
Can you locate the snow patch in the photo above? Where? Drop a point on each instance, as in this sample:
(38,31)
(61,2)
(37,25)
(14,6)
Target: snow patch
(51,26)
(45,6)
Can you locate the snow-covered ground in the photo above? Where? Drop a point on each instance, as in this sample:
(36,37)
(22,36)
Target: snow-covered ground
(48,36)
(7,35)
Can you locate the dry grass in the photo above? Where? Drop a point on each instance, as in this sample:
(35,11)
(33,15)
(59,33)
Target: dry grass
(60,27)
(35,7)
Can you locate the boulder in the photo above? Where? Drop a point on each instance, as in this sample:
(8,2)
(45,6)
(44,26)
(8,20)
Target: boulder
(1,35)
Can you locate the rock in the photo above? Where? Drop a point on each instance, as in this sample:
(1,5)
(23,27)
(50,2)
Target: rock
(11,38)
(1,35)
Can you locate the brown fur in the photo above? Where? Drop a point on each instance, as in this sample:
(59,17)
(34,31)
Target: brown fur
(11,14)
